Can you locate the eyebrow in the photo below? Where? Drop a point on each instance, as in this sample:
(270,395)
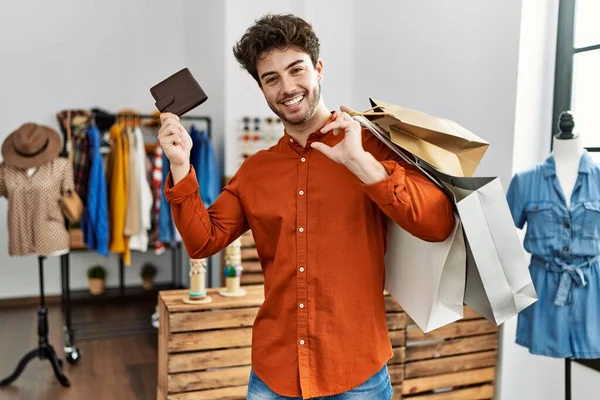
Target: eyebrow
(286,68)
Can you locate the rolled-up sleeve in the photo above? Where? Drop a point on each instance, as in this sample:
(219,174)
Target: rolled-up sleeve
(206,231)
(407,197)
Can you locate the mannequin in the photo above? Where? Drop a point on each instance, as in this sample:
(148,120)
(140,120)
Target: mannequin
(559,200)
(568,150)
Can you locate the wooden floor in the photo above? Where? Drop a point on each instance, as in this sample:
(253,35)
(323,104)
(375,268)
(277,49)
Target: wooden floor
(117,368)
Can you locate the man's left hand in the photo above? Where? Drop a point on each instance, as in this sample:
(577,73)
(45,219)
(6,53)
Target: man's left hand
(350,149)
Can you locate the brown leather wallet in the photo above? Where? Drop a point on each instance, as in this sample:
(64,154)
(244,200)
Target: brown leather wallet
(178,94)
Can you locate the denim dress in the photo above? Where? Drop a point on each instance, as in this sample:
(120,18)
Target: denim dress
(565,269)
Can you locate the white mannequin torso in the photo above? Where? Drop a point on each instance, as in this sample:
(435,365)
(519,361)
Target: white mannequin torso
(31,171)
(567,156)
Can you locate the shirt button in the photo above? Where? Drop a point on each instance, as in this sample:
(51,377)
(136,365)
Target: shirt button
(301,269)
(301,193)
(567,225)
(301,229)
(302,342)
(303,159)
(535,208)
(301,305)
(566,248)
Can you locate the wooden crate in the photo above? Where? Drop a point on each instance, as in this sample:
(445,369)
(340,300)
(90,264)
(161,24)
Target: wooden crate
(454,362)
(204,351)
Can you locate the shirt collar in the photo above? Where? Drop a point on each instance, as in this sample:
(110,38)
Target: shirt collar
(315,135)
(585,165)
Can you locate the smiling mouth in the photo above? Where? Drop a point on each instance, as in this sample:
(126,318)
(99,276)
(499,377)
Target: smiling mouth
(293,101)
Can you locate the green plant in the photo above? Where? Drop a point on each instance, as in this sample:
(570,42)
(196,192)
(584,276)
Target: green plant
(149,271)
(97,271)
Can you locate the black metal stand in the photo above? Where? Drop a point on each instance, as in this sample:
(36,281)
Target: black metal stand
(567,379)
(44,351)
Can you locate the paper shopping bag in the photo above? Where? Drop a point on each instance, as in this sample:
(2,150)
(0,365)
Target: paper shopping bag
(498,283)
(442,143)
(427,279)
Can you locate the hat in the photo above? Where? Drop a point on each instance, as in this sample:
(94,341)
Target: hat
(31,145)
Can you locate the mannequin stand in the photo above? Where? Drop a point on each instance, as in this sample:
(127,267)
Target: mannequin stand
(567,379)
(44,351)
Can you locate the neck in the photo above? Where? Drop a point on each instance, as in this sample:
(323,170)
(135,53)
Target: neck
(300,132)
(567,149)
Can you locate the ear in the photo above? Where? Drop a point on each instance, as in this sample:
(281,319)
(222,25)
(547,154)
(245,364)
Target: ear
(319,69)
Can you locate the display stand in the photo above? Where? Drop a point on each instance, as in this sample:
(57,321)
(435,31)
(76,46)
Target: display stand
(44,351)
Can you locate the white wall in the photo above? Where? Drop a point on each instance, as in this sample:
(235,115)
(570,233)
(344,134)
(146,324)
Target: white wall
(456,59)
(74,54)
(205,55)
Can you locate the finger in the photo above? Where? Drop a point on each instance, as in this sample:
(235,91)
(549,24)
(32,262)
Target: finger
(346,109)
(164,116)
(170,131)
(323,148)
(171,125)
(338,123)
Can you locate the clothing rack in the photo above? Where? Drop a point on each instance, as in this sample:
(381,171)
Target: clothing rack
(116,328)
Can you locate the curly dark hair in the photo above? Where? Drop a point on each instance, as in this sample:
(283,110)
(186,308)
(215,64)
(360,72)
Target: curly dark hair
(275,31)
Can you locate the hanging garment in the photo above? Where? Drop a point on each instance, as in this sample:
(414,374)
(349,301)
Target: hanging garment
(119,181)
(94,223)
(157,185)
(565,264)
(36,224)
(133,222)
(166,229)
(202,157)
(139,241)
(79,122)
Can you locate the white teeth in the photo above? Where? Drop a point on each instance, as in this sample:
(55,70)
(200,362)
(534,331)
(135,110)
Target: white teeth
(294,101)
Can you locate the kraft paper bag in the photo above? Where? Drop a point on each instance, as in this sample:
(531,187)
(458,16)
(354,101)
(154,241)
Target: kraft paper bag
(440,142)
(498,284)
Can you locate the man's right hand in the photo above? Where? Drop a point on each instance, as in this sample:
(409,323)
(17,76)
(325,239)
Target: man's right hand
(174,140)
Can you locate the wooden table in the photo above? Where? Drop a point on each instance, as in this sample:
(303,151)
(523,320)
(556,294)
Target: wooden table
(204,351)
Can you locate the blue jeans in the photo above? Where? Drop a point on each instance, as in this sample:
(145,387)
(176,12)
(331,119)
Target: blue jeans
(377,387)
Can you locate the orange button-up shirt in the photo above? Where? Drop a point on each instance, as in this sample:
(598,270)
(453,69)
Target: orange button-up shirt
(320,234)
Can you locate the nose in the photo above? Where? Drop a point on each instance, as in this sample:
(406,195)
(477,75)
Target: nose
(288,86)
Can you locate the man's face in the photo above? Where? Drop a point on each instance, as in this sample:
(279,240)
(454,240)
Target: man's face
(290,83)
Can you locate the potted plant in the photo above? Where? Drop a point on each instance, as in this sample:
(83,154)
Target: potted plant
(96,279)
(148,273)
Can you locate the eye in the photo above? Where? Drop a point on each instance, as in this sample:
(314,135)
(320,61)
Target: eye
(296,70)
(271,80)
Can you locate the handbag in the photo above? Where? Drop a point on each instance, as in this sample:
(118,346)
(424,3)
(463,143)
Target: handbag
(72,206)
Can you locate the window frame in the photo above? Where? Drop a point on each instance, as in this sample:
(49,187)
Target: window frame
(563,85)
(563,73)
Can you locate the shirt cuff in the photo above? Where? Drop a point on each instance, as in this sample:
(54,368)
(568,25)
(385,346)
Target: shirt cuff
(384,192)
(186,187)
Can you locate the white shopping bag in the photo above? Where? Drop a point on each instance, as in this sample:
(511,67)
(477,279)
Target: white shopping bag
(427,279)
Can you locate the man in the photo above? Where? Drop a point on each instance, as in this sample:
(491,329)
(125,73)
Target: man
(317,204)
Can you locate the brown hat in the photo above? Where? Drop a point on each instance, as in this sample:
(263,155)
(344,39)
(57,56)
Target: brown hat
(31,146)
